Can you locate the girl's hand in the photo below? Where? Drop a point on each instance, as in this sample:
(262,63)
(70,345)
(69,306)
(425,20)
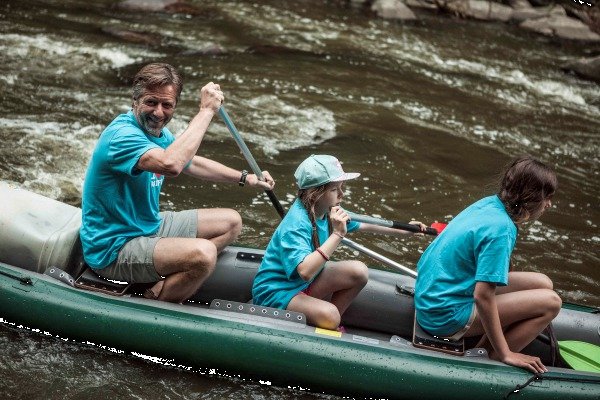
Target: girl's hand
(339,218)
(421,226)
(533,364)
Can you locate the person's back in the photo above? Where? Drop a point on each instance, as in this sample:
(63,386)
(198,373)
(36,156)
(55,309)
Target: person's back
(445,289)
(464,287)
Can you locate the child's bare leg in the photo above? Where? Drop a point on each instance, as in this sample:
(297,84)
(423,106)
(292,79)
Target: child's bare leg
(545,301)
(523,315)
(318,312)
(525,281)
(518,281)
(343,280)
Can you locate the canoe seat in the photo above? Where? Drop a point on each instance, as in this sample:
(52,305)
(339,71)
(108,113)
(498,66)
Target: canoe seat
(424,340)
(89,280)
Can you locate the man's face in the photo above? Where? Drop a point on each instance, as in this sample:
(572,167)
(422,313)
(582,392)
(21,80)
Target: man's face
(154,109)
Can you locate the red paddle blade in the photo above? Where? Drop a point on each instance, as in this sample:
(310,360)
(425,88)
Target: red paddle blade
(439,226)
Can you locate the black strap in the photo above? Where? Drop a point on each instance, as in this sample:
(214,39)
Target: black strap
(549,331)
(24,280)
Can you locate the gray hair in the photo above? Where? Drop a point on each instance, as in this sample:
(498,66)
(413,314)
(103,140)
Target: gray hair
(156,75)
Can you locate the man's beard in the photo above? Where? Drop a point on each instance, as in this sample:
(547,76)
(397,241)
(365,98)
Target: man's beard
(151,125)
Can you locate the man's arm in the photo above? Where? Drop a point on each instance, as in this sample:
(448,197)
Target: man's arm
(210,170)
(172,160)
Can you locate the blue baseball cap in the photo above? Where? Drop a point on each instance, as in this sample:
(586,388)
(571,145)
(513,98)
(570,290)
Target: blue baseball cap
(319,169)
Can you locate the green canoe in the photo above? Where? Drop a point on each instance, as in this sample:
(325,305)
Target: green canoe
(39,259)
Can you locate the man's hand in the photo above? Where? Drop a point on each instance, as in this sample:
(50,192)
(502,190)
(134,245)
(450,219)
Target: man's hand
(267,184)
(211,97)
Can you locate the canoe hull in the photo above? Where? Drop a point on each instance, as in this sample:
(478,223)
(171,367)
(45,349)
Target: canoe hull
(284,352)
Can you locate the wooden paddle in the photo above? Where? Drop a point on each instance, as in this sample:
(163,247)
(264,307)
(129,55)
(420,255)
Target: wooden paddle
(254,166)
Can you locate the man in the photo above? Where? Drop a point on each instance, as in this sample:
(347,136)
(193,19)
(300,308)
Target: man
(123,234)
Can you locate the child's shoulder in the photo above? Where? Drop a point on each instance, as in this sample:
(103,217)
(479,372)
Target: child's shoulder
(295,219)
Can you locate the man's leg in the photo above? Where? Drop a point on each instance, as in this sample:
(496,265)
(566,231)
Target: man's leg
(221,226)
(186,263)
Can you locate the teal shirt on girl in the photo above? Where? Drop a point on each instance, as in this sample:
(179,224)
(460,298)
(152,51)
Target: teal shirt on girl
(277,280)
(119,202)
(474,247)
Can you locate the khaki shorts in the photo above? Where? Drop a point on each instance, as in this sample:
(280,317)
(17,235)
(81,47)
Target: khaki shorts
(461,332)
(135,263)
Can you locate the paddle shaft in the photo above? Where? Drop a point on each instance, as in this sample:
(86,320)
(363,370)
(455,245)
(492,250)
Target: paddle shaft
(390,224)
(251,161)
(254,166)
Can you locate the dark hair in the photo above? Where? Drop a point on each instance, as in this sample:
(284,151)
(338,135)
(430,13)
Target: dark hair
(524,186)
(156,75)
(308,198)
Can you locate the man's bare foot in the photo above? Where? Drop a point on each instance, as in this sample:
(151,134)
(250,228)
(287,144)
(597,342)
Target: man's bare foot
(154,291)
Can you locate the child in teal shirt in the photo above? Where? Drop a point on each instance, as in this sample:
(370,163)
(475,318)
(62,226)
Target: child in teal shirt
(464,287)
(296,273)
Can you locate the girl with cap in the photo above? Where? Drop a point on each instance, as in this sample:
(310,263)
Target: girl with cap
(464,287)
(296,273)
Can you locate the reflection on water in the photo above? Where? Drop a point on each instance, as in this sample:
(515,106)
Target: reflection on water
(427,112)
(66,370)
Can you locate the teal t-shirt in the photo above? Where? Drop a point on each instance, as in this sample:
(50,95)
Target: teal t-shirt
(119,201)
(474,247)
(277,280)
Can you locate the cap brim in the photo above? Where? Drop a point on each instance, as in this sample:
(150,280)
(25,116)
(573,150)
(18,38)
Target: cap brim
(346,176)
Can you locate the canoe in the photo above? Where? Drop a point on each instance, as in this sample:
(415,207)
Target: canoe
(40,264)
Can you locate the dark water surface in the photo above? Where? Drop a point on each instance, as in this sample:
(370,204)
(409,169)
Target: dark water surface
(427,112)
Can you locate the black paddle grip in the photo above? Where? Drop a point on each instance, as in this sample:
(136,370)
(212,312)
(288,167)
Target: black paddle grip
(413,228)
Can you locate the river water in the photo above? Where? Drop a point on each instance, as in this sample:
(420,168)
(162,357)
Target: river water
(428,112)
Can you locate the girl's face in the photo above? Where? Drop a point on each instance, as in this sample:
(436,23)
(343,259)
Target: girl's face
(547,203)
(332,197)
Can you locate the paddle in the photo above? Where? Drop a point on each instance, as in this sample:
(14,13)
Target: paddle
(581,356)
(240,142)
(434,230)
(256,170)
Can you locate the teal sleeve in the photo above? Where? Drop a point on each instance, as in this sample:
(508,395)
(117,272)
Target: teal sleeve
(352,226)
(493,259)
(125,149)
(295,246)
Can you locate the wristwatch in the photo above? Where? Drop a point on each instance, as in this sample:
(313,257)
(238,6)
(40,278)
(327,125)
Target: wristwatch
(242,181)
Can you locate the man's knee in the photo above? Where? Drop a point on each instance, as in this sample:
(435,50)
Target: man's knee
(235,223)
(230,223)
(204,255)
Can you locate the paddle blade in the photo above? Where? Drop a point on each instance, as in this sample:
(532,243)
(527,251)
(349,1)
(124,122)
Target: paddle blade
(439,226)
(580,356)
